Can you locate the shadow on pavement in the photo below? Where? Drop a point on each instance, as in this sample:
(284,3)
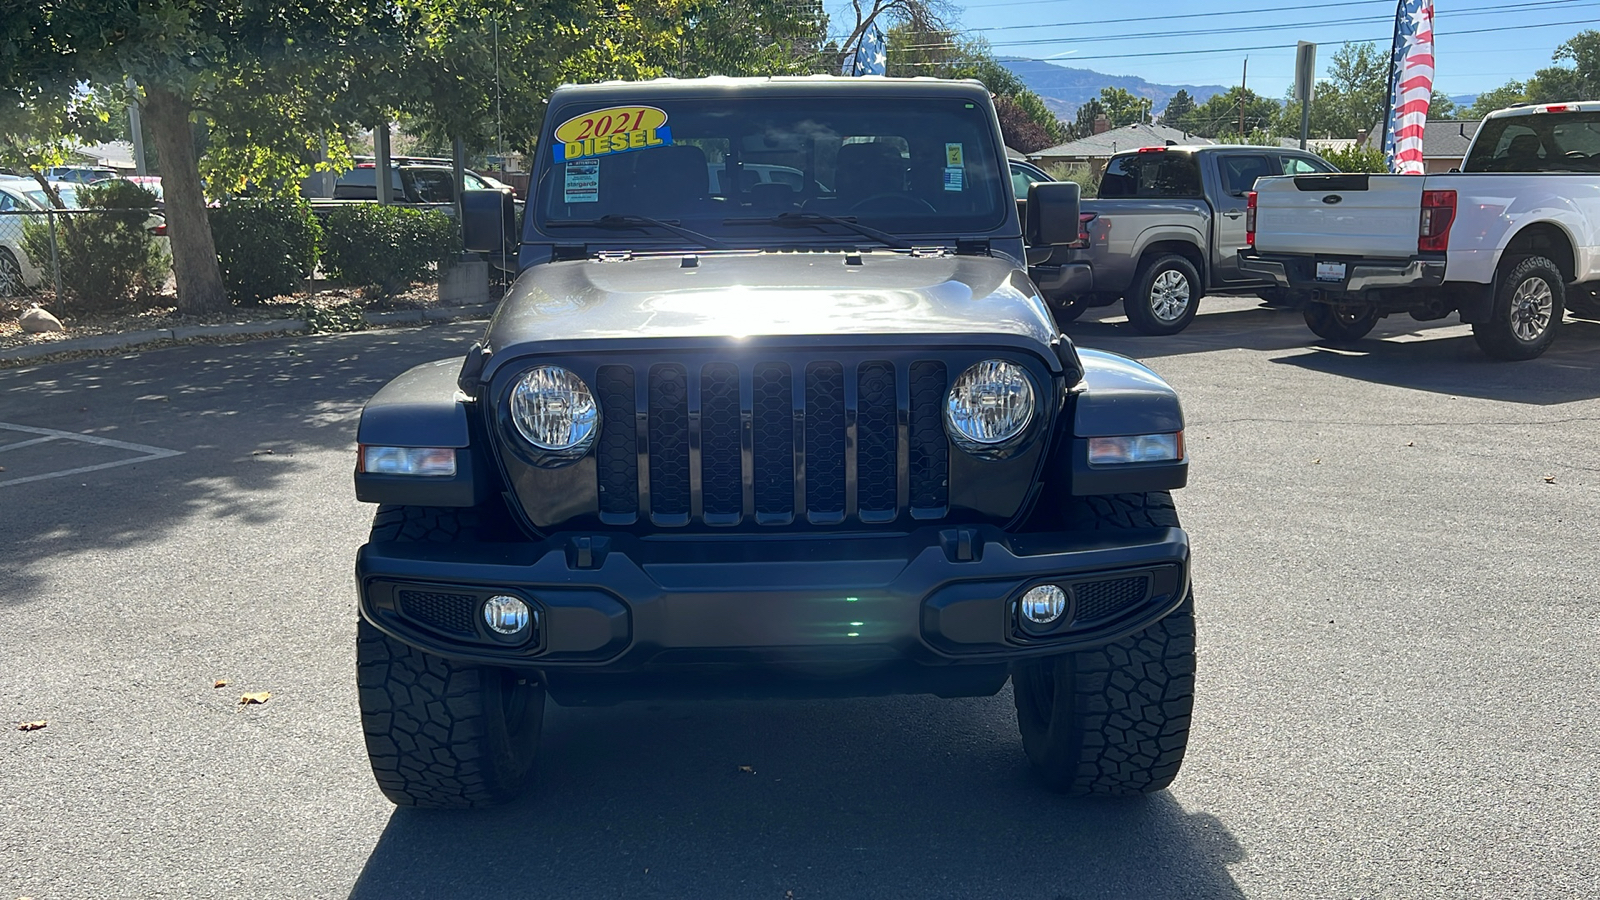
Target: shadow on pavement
(914,797)
(239,414)
(1440,356)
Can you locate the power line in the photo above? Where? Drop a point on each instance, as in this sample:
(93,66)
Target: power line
(1256,29)
(1075,58)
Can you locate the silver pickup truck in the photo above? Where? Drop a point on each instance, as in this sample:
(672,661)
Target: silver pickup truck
(1166,230)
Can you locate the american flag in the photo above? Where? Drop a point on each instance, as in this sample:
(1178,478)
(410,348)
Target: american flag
(871,56)
(1410,86)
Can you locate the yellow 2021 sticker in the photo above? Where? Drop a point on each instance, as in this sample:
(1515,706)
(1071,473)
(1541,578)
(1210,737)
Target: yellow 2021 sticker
(616,129)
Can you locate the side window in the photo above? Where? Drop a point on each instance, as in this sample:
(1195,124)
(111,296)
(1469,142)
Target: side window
(6,202)
(1239,173)
(1020,179)
(473,182)
(1299,165)
(433,186)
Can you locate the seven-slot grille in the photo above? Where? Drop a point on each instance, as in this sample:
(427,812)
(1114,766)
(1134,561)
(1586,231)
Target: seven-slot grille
(772,442)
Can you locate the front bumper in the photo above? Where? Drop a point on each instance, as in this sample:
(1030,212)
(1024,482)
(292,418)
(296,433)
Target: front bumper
(616,603)
(1299,273)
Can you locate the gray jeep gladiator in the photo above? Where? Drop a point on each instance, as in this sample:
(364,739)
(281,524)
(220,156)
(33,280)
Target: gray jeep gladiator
(745,437)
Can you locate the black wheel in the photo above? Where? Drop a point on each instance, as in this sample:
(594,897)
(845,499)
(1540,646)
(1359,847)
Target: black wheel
(1115,720)
(1340,323)
(1164,296)
(1528,301)
(441,733)
(10,274)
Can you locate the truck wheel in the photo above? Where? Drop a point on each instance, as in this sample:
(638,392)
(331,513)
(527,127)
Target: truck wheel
(1340,323)
(1164,296)
(1528,302)
(1114,720)
(442,734)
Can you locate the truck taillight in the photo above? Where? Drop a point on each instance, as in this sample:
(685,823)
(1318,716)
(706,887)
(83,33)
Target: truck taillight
(1438,212)
(1083,228)
(1250,219)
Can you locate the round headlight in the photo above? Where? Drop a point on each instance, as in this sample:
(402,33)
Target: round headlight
(554,410)
(991,403)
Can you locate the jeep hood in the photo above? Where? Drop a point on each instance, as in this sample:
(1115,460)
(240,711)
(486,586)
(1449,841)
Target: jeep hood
(711,299)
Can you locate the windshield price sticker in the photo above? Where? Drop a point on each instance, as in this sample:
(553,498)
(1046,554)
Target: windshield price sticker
(583,181)
(616,129)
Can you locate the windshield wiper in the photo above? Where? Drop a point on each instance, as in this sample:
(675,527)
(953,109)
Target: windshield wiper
(815,219)
(623,222)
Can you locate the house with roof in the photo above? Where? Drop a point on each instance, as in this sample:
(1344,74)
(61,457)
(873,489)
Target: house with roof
(1444,142)
(1095,150)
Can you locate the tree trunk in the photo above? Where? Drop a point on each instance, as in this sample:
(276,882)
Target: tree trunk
(194,254)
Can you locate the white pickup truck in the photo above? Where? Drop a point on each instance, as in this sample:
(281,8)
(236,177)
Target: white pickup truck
(1510,242)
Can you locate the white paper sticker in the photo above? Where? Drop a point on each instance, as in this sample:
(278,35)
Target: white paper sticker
(953,156)
(583,181)
(954,178)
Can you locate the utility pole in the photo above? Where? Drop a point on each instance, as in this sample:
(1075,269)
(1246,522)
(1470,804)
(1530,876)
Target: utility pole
(136,128)
(1243,76)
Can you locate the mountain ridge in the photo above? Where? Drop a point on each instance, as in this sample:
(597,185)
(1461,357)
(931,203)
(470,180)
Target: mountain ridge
(1064,89)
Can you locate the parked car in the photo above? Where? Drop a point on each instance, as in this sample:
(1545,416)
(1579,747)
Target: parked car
(1510,242)
(411,179)
(772,442)
(80,174)
(18,196)
(1166,230)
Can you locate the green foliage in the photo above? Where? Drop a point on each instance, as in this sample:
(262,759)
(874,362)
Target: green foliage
(1083,123)
(387,247)
(332,319)
(1180,111)
(107,255)
(1122,107)
(1220,114)
(1357,159)
(1499,98)
(1086,177)
(266,247)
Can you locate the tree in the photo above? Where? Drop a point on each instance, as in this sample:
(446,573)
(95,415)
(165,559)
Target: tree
(1499,98)
(1083,125)
(1122,107)
(1219,117)
(943,54)
(1180,110)
(182,53)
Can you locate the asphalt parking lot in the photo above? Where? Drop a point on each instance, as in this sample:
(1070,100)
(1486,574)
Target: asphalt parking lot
(1396,581)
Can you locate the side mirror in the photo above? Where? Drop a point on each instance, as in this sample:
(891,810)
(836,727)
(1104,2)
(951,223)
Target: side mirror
(488,221)
(1052,214)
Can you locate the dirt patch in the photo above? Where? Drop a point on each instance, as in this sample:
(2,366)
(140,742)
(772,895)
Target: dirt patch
(161,311)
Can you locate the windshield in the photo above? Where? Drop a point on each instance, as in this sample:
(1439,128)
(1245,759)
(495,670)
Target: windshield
(1544,142)
(69,196)
(722,168)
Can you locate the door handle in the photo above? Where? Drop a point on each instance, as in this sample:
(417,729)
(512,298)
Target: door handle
(1233,214)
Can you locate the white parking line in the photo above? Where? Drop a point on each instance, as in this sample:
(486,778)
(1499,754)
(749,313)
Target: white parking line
(145,451)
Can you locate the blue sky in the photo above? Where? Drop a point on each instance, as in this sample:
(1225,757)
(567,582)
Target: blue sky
(1481,44)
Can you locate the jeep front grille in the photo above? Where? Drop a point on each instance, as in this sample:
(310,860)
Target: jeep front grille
(821,442)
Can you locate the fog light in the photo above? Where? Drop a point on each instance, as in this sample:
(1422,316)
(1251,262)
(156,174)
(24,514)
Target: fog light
(506,615)
(1044,604)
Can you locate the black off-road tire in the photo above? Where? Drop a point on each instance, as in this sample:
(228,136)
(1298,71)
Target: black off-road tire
(1340,324)
(1529,298)
(442,734)
(1151,302)
(1114,720)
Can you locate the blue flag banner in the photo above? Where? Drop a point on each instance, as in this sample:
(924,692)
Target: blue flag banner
(871,56)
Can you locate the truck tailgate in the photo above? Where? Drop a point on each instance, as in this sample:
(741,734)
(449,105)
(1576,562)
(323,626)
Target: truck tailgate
(1347,214)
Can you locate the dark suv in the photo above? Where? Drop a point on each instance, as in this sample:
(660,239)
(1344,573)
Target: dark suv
(751,437)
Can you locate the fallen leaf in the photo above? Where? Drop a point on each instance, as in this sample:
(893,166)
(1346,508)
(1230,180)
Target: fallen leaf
(31,726)
(262,697)
(260,452)
(1411,443)
(1317,461)
(1549,479)
(749,770)
(220,683)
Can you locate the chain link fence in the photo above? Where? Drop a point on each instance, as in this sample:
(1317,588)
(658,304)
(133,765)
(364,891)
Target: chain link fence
(82,258)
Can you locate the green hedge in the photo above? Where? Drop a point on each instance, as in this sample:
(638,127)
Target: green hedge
(108,256)
(266,248)
(387,247)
